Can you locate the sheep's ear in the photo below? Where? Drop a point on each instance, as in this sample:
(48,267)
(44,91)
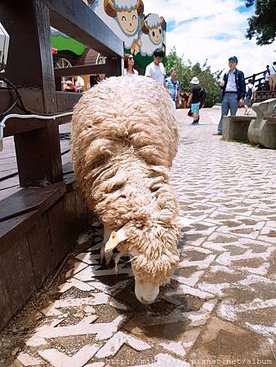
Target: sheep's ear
(114,239)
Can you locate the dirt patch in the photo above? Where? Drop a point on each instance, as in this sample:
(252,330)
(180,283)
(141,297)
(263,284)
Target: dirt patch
(168,331)
(243,231)
(227,344)
(250,263)
(222,239)
(236,250)
(271,234)
(186,272)
(130,357)
(194,255)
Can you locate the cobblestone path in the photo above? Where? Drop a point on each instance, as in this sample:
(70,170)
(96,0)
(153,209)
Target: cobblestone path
(220,306)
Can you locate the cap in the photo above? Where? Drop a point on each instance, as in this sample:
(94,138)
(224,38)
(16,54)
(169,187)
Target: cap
(195,80)
(233,59)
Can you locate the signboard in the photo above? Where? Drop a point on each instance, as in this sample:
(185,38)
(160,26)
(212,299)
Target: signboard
(141,33)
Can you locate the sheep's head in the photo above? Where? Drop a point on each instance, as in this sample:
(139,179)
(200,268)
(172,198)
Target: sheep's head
(127,13)
(154,257)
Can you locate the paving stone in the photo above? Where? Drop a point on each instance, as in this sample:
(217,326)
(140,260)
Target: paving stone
(58,359)
(88,258)
(223,343)
(89,273)
(74,283)
(78,266)
(163,360)
(257,315)
(28,360)
(111,290)
(117,341)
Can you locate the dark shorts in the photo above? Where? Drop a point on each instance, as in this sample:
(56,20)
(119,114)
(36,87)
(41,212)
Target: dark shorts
(248,102)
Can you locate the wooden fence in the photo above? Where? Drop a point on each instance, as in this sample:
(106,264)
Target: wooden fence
(40,223)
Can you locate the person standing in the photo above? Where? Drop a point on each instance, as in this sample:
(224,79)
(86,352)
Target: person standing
(79,84)
(194,100)
(266,78)
(233,91)
(156,69)
(129,66)
(172,84)
(69,86)
(272,77)
(250,96)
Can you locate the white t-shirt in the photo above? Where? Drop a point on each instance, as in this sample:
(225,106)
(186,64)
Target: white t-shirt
(272,69)
(250,86)
(156,72)
(135,72)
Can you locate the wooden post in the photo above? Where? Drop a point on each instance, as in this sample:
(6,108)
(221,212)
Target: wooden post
(30,65)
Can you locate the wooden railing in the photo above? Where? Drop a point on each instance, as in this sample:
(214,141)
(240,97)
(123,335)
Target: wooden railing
(257,80)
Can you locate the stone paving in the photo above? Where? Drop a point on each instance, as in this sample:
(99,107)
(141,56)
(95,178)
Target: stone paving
(219,308)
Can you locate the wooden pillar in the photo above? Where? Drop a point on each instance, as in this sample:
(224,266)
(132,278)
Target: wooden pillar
(30,65)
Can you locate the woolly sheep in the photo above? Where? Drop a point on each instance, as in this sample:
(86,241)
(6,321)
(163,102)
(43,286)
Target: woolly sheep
(124,139)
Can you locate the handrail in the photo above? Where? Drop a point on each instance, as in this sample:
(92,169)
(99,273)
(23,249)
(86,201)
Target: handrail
(257,82)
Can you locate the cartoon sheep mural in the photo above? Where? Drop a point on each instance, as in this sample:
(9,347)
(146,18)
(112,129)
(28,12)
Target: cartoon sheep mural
(123,145)
(153,34)
(124,18)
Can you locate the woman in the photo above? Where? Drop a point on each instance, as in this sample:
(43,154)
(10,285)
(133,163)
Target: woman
(128,66)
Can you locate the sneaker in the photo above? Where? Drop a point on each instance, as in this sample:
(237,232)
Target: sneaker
(194,123)
(218,133)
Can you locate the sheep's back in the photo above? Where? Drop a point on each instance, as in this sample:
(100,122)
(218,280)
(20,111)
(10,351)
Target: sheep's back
(121,119)
(126,111)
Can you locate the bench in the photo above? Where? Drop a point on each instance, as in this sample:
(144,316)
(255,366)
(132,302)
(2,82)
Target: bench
(262,130)
(236,128)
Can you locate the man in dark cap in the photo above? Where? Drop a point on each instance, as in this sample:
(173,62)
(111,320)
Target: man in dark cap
(233,91)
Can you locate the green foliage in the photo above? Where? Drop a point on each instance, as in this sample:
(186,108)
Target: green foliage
(262,24)
(208,80)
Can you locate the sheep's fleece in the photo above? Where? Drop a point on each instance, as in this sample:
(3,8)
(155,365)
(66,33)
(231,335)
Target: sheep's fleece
(124,138)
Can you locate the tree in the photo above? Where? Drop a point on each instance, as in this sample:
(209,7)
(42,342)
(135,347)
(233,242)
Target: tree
(208,80)
(262,25)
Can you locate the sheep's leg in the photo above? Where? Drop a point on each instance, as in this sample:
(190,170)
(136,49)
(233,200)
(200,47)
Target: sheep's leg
(106,256)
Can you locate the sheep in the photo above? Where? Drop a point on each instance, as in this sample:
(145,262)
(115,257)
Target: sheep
(124,139)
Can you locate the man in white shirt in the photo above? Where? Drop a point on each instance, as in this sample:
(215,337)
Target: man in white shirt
(233,91)
(156,69)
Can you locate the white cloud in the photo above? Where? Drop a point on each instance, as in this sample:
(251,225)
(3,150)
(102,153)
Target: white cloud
(213,30)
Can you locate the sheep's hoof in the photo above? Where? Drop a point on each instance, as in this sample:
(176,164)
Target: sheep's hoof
(106,257)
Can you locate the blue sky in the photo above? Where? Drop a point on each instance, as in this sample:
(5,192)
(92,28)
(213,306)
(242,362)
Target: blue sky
(213,30)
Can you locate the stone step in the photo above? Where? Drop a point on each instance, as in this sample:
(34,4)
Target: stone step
(264,95)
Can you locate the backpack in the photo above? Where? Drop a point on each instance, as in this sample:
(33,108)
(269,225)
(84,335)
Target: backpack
(202,96)
(249,93)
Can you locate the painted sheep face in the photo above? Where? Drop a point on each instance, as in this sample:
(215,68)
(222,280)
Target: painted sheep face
(128,21)
(156,35)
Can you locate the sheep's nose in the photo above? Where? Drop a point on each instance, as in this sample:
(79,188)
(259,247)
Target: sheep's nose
(145,302)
